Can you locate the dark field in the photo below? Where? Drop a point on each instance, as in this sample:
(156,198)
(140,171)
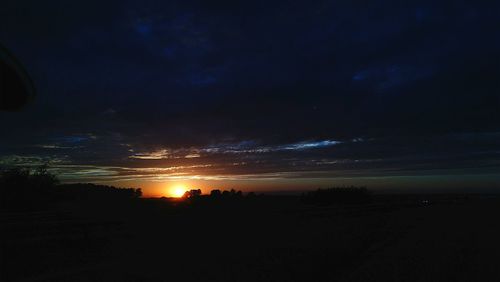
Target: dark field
(267,238)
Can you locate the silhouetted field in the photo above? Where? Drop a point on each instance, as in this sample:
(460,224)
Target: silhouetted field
(440,237)
(266,238)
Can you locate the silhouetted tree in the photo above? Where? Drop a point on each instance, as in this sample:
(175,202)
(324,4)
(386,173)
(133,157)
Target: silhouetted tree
(193,193)
(215,193)
(226,194)
(22,188)
(43,177)
(138,193)
(90,191)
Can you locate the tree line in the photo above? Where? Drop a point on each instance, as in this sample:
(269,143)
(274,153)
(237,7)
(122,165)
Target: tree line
(217,194)
(28,188)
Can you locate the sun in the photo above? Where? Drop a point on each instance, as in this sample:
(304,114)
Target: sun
(178,191)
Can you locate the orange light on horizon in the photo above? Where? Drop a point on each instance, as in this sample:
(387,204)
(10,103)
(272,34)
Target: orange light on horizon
(178,191)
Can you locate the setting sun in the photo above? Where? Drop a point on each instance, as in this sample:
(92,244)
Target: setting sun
(178,191)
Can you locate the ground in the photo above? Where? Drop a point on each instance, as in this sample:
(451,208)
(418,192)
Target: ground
(265,239)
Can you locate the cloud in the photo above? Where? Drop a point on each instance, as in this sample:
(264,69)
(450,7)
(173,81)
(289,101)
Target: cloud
(254,88)
(155,155)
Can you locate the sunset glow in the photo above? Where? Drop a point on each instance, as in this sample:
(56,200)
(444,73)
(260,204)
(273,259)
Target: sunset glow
(178,191)
(249,140)
(205,111)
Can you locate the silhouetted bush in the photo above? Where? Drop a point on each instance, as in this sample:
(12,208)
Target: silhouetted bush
(339,195)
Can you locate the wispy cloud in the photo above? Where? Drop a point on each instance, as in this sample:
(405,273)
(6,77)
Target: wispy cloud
(154,155)
(31,160)
(244,147)
(252,147)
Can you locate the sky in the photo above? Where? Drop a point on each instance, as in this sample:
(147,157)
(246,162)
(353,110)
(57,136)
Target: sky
(262,96)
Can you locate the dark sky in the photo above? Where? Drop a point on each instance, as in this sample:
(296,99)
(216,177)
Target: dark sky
(259,95)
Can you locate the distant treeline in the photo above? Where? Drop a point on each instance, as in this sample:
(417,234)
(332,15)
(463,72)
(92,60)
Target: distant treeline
(26,188)
(216,198)
(216,194)
(337,195)
(90,191)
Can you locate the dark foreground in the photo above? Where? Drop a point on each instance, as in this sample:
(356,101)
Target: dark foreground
(396,238)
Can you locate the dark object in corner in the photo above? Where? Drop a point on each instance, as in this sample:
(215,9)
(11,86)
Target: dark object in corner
(16,87)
